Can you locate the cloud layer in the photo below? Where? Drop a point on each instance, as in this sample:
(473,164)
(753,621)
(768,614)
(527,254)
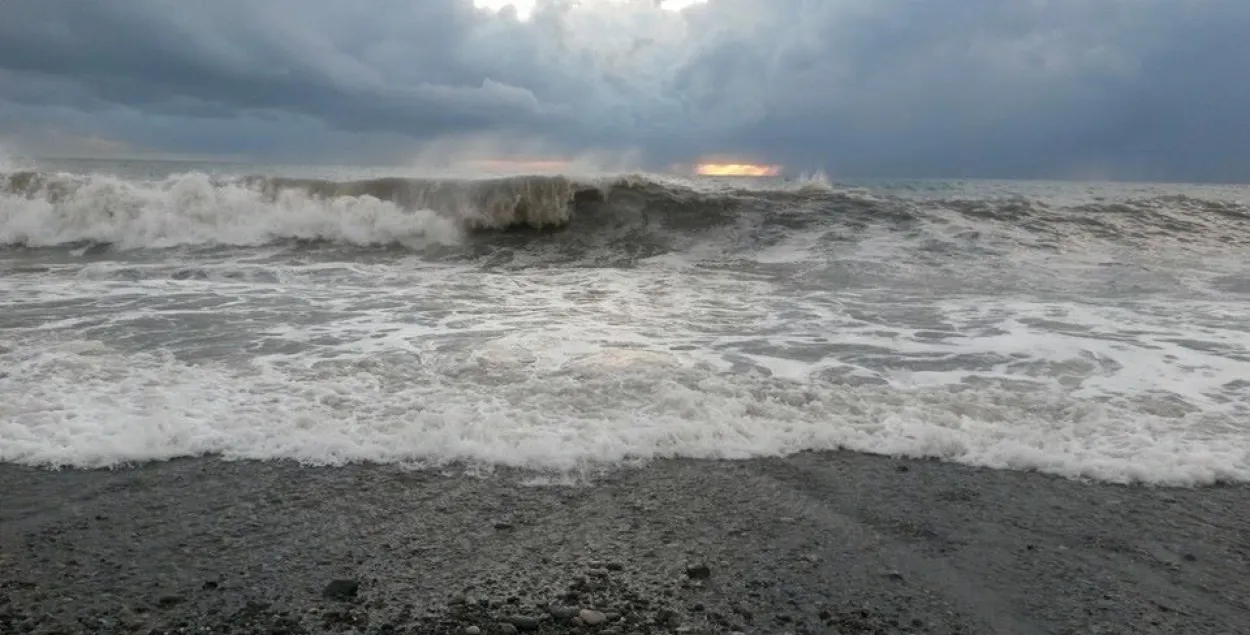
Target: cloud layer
(996,88)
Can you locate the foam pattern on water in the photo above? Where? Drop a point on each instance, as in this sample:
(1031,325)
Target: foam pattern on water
(563,369)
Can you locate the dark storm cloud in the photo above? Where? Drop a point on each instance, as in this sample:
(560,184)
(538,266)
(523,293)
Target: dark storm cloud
(1138,88)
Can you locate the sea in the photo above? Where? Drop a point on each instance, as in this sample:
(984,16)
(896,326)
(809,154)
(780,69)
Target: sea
(565,323)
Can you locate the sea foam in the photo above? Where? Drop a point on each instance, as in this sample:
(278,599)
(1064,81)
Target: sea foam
(193,209)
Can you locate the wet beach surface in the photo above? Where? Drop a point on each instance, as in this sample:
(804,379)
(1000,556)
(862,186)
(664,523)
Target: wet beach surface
(814,543)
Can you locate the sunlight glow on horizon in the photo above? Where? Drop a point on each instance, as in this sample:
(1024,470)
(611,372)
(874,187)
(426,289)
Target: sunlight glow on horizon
(525,8)
(736,169)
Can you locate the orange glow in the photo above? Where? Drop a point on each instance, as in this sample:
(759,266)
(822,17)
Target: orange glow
(737,169)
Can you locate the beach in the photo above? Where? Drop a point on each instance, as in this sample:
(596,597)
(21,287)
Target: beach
(814,543)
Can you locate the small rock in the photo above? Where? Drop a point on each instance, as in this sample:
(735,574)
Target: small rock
(698,572)
(472,630)
(894,575)
(591,618)
(524,622)
(503,525)
(666,616)
(1189,557)
(341,589)
(507,629)
(615,566)
(170,600)
(562,613)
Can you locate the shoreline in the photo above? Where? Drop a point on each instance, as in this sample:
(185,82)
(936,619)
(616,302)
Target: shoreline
(830,542)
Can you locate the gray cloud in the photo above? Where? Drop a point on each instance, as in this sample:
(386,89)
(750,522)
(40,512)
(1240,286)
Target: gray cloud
(1129,88)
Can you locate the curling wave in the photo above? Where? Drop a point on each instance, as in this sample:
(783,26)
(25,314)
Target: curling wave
(635,213)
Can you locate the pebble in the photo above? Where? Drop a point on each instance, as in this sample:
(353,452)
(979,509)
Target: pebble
(524,622)
(698,572)
(507,629)
(472,630)
(562,612)
(341,589)
(592,618)
(170,600)
(666,616)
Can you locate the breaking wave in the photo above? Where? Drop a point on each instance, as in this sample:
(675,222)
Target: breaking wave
(638,213)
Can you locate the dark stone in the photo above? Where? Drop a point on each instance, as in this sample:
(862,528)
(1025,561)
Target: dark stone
(211,585)
(503,526)
(167,601)
(563,613)
(1189,557)
(699,572)
(666,616)
(341,589)
(903,468)
(524,622)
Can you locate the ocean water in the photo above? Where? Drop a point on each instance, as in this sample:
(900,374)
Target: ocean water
(158,310)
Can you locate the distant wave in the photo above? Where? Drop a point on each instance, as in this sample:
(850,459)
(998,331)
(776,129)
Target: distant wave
(635,212)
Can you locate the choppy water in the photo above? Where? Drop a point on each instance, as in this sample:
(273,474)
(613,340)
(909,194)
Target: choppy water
(150,311)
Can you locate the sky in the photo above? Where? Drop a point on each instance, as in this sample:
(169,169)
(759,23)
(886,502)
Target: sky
(1121,89)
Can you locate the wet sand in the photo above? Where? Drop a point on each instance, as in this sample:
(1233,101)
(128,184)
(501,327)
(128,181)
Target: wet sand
(815,543)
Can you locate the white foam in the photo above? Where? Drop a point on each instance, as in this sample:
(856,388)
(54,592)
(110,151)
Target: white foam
(81,404)
(561,369)
(191,209)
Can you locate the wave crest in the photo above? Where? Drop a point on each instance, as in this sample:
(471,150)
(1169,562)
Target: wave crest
(633,214)
(39,210)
